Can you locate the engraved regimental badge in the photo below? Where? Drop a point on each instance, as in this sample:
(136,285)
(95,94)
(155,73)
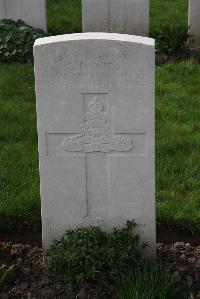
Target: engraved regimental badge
(97,135)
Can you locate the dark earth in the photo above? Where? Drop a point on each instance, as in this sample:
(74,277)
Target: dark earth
(186,54)
(31,281)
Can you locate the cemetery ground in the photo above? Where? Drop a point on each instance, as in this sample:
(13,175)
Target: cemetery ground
(177,168)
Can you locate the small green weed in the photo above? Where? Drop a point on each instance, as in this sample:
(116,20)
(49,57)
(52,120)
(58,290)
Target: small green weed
(152,281)
(6,272)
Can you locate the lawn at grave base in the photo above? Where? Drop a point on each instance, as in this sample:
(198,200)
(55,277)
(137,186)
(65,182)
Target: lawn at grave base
(177,148)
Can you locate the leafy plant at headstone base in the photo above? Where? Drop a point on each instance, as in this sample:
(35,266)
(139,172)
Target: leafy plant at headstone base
(170,38)
(7,271)
(16,41)
(89,256)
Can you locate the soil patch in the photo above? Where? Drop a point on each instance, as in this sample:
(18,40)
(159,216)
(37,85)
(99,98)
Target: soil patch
(163,236)
(30,280)
(184,262)
(170,237)
(179,57)
(33,239)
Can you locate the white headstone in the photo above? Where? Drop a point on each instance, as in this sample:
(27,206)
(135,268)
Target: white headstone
(194,22)
(95,110)
(2,9)
(32,12)
(121,16)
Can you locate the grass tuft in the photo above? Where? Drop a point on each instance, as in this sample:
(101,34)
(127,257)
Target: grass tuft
(152,281)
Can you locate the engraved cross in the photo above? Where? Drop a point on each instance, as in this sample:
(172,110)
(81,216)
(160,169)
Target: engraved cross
(97,137)
(99,144)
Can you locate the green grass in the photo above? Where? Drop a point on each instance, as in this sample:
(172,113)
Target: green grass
(178,145)
(168,12)
(177,148)
(153,281)
(64,16)
(19,189)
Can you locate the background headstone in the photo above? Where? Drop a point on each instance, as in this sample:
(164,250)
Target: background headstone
(121,16)
(194,22)
(2,9)
(32,12)
(95,110)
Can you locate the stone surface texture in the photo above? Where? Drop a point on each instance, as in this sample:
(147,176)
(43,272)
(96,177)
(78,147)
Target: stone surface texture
(120,16)
(95,110)
(194,22)
(32,12)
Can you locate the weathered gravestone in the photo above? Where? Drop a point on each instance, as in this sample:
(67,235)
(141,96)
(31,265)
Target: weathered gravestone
(121,16)
(32,12)
(95,110)
(194,22)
